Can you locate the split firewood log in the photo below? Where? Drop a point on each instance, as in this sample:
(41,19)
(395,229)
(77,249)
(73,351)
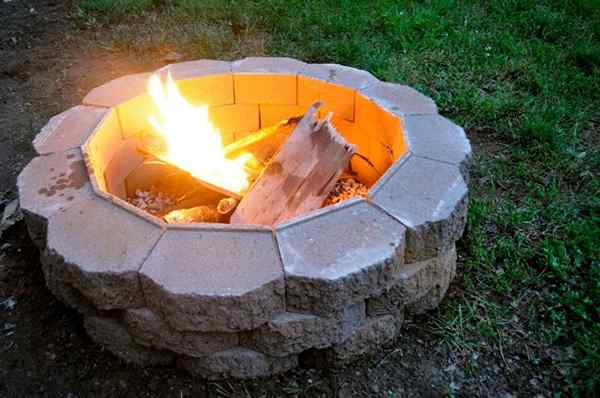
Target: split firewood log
(300,175)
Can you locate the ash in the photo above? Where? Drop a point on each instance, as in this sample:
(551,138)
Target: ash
(346,187)
(152,201)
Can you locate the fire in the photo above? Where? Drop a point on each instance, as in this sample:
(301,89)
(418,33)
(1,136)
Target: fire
(192,142)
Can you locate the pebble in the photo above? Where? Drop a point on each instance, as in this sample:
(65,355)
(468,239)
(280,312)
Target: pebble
(346,188)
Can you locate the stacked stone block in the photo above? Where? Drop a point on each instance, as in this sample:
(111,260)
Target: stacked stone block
(249,301)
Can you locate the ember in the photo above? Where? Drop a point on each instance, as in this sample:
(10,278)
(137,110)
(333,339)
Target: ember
(152,201)
(347,187)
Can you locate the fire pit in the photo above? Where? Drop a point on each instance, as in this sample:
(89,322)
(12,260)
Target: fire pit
(238,298)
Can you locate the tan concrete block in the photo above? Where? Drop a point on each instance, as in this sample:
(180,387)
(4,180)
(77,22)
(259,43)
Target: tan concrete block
(235,121)
(337,99)
(369,117)
(125,159)
(118,90)
(68,129)
(340,74)
(270,115)
(308,90)
(101,147)
(358,136)
(265,89)
(268,65)
(211,90)
(135,113)
(393,133)
(194,69)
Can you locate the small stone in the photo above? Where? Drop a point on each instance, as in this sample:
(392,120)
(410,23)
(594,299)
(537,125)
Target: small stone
(173,56)
(113,336)
(239,363)
(8,304)
(11,215)
(149,329)
(337,257)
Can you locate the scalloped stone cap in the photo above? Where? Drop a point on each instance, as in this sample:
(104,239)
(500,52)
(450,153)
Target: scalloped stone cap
(268,65)
(49,184)
(100,247)
(214,278)
(435,137)
(340,74)
(429,198)
(118,90)
(68,129)
(197,68)
(399,99)
(339,254)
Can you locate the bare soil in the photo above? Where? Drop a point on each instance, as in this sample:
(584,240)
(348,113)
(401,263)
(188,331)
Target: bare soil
(47,64)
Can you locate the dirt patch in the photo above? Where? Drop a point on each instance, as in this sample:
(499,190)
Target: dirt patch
(47,64)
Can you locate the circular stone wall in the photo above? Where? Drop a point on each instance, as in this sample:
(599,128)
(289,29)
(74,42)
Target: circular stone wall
(245,301)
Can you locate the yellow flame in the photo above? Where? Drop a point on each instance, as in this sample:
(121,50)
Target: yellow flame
(192,142)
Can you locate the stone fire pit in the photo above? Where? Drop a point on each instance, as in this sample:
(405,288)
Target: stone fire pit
(244,300)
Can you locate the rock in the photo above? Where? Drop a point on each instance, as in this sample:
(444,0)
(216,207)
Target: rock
(368,338)
(11,215)
(413,283)
(214,278)
(430,198)
(238,362)
(291,333)
(110,334)
(148,329)
(172,56)
(339,255)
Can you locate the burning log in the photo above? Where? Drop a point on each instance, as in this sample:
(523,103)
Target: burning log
(203,214)
(300,176)
(262,145)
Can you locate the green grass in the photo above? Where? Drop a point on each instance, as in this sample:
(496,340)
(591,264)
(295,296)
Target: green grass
(523,77)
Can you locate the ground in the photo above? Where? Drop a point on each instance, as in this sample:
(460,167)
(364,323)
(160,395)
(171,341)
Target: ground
(522,317)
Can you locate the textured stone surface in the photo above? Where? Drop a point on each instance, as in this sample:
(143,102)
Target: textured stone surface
(240,363)
(49,184)
(64,291)
(443,275)
(215,278)
(368,338)
(338,255)
(110,334)
(430,198)
(413,283)
(197,68)
(340,75)
(68,129)
(291,333)
(118,90)
(98,248)
(215,296)
(435,137)
(399,99)
(268,65)
(147,328)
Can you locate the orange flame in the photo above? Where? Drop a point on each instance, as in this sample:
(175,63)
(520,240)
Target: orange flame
(192,142)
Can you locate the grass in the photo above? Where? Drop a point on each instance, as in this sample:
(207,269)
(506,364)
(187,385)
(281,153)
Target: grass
(522,77)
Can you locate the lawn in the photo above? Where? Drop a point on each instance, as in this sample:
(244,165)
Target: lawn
(523,78)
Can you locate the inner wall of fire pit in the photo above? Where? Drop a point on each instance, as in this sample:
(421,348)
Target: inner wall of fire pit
(239,104)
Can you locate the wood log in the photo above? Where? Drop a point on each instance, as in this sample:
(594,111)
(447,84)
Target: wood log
(262,144)
(300,175)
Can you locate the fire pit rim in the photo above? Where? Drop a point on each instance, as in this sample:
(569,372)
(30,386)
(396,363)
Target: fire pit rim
(333,311)
(251,67)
